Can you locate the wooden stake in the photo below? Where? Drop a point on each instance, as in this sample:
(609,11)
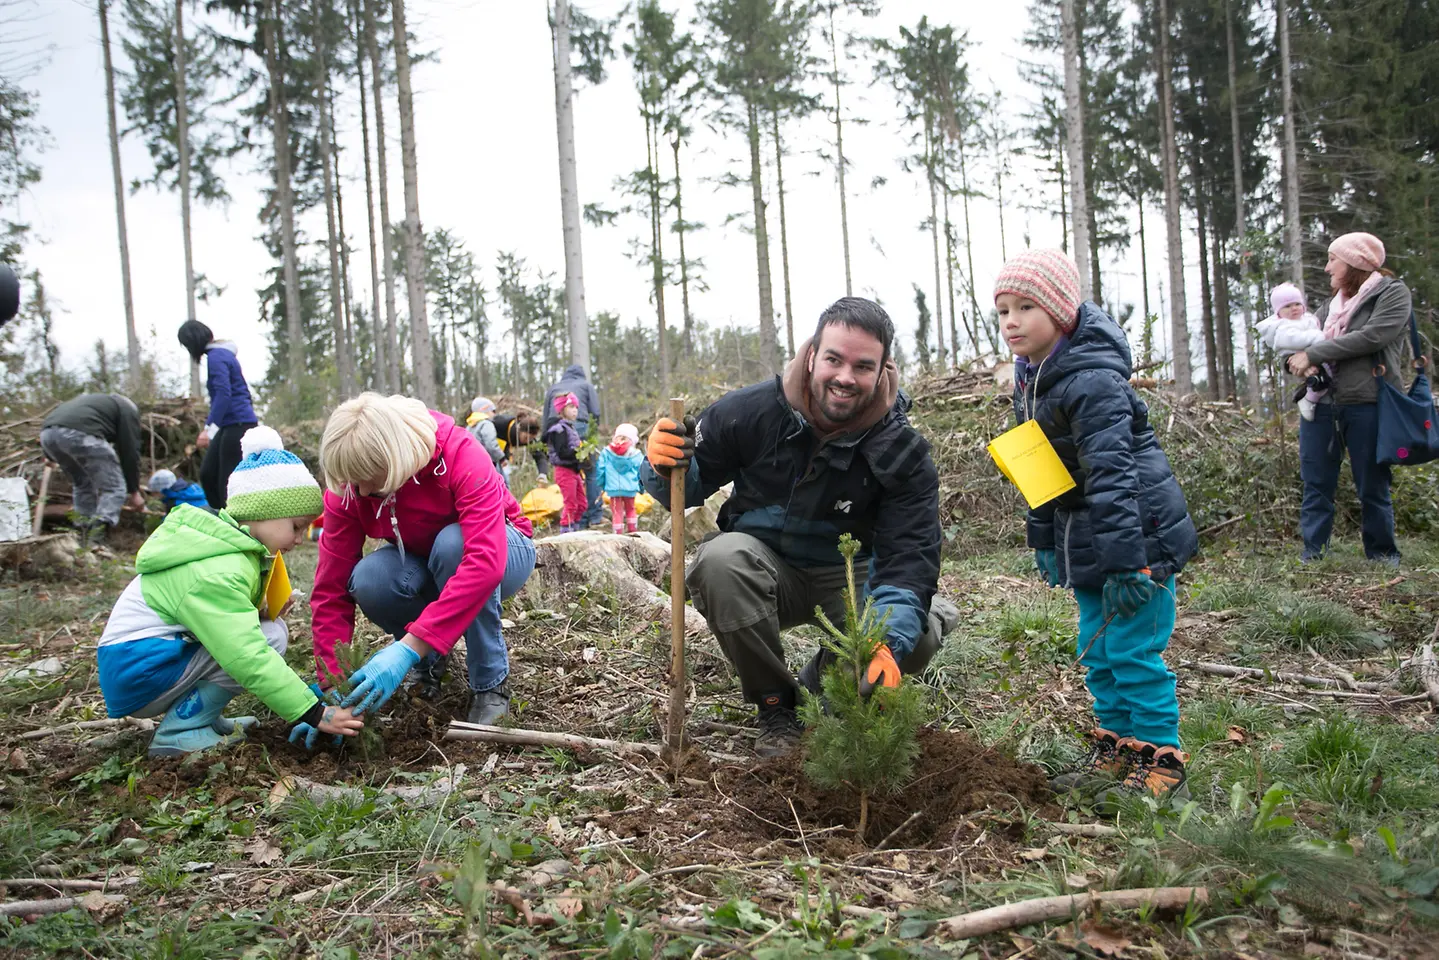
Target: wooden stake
(39,522)
(675,738)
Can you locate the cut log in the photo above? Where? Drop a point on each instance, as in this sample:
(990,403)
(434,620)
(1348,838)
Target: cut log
(459,730)
(631,567)
(1026,912)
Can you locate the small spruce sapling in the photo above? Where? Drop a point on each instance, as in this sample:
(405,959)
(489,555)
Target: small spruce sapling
(868,744)
(351,657)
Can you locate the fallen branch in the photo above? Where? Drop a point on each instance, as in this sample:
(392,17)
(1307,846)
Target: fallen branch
(1276,676)
(459,730)
(31,908)
(1429,671)
(136,723)
(57,884)
(1026,912)
(1092,830)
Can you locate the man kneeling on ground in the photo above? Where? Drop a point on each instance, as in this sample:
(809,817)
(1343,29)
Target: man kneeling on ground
(822,451)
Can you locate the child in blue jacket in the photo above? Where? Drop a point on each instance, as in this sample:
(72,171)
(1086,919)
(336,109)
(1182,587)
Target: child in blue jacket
(619,477)
(176,490)
(232,411)
(1118,537)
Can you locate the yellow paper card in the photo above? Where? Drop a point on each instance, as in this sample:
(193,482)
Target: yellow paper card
(277,587)
(1027,458)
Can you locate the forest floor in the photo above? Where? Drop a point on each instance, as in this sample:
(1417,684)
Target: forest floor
(1314,824)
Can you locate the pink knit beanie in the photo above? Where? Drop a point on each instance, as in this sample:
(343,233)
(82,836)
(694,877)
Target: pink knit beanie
(1049,278)
(1362,251)
(1283,295)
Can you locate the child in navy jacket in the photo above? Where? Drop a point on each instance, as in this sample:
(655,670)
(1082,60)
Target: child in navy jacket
(231,410)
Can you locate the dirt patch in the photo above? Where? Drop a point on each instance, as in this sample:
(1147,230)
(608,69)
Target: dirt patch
(956,777)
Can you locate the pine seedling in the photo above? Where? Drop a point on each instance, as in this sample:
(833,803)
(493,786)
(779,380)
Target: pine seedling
(351,657)
(867,744)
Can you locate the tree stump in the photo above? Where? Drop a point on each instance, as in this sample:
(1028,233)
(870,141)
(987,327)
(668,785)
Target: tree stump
(629,566)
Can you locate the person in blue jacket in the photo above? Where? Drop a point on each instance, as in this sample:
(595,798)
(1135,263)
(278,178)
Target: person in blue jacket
(232,411)
(176,490)
(618,470)
(1117,537)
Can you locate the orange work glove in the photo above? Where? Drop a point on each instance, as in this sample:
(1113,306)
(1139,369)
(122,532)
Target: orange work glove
(671,445)
(882,672)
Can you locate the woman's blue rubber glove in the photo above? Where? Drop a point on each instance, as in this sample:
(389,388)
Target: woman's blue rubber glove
(380,677)
(1048,563)
(1126,593)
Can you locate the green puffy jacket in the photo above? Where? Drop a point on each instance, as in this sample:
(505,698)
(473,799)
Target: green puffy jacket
(200,581)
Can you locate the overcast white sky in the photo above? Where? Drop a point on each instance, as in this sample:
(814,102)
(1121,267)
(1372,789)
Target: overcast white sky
(485,122)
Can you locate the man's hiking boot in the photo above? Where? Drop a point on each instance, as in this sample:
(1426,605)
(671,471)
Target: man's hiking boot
(488,706)
(1103,765)
(779,726)
(1154,771)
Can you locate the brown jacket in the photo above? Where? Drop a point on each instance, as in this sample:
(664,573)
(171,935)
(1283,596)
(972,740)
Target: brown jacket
(1376,335)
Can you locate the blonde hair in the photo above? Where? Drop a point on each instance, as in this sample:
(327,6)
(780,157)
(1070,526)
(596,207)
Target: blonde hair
(376,436)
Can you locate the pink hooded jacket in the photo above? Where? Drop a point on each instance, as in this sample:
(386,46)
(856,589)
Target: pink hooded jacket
(459,484)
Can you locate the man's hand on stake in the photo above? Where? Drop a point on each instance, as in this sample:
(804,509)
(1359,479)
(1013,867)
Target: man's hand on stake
(671,444)
(881,672)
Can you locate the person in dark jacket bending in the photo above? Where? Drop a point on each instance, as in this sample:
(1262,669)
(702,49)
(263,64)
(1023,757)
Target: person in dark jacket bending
(1364,325)
(574,381)
(822,451)
(516,432)
(96,439)
(1118,537)
(232,412)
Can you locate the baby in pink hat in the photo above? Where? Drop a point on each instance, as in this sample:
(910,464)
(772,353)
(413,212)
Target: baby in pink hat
(1290,329)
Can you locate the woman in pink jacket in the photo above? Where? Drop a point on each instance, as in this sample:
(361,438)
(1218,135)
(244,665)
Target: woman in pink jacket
(458,543)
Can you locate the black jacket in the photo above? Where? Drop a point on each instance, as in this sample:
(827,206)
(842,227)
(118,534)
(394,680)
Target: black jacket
(1126,510)
(798,496)
(506,430)
(573,381)
(110,417)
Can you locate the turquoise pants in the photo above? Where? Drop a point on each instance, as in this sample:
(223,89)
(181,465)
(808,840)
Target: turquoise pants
(1133,690)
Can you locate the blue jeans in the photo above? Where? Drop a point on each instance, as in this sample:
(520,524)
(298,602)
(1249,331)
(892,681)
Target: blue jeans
(594,495)
(393,592)
(1322,442)
(1132,687)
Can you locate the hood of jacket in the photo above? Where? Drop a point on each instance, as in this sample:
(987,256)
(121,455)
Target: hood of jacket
(795,387)
(1097,343)
(574,372)
(227,345)
(189,534)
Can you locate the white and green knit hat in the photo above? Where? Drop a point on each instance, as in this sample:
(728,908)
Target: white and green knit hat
(270,483)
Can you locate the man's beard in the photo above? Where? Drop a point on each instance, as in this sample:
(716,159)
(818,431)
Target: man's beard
(823,400)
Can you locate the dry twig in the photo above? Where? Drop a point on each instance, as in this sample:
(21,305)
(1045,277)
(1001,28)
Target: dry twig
(1010,915)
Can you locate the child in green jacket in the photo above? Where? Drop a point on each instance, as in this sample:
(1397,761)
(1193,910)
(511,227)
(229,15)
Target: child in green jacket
(189,633)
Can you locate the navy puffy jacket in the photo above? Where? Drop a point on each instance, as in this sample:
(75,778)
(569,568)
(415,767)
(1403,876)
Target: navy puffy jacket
(1126,510)
(798,496)
(230,402)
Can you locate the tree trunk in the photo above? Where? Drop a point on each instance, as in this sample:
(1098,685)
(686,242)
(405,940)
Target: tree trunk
(1148,324)
(1063,205)
(391,376)
(949,258)
(132,338)
(347,300)
(569,192)
(1223,335)
(1206,303)
(680,228)
(657,256)
(973,329)
(1074,148)
(285,195)
(424,365)
(1178,321)
(999,201)
(934,237)
(1240,226)
(839,157)
(182,144)
(761,247)
(381,363)
(337,296)
(1292,246)
(783,232)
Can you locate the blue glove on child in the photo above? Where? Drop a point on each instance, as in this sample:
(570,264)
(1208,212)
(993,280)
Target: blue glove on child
(306,735)
(380,677)
(1126,593)
(1048,563)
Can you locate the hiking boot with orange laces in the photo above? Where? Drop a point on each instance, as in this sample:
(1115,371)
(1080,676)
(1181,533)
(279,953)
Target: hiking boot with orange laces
(1103,765)
(1154,771)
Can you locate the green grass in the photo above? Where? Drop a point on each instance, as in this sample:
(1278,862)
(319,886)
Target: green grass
(1297,621)
(1230,595)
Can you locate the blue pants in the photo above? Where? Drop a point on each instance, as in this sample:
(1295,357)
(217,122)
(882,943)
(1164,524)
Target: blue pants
(595,512)
(1132,688)
(393,592)
(1322,442)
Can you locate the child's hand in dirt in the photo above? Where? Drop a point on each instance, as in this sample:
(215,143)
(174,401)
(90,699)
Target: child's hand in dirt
(341,721)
